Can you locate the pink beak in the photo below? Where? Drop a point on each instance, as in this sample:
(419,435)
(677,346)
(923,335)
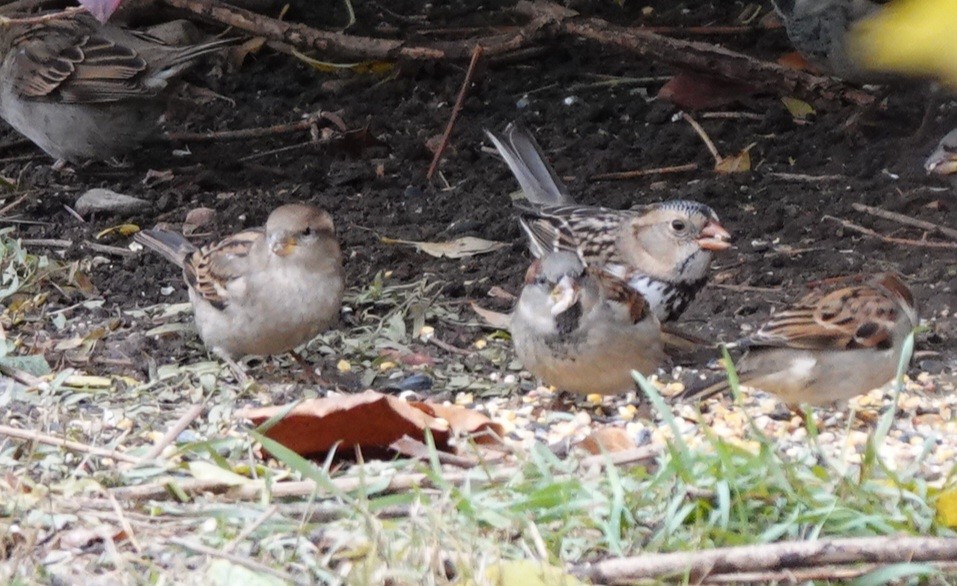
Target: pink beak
(714,237)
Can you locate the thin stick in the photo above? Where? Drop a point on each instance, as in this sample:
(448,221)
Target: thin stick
(449,347)
(704,136)
(459,101)
(63,243)
(906,220)
(254,133)
(51,440)
(644,172)
(181,424)
(731,116)
(236,559)
(803,574)
(21,376)
(771,556)
(807,178)
(904,241)
(124,522)
(248,529)
(14,203)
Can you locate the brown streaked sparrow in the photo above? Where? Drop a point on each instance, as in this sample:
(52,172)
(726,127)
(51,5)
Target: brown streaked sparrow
(582,330)
(829,346)
(263,290)
(661,250)
(81,90)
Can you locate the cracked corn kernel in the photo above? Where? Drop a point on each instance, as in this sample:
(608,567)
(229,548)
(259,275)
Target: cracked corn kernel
(343,366)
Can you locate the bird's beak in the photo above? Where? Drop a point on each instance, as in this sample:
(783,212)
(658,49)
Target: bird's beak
(941,164)
(714,237)
(564,295)
(282,244)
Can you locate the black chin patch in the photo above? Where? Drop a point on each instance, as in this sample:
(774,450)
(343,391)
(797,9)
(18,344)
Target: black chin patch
(567,321)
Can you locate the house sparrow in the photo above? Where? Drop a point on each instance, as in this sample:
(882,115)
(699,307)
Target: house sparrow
(81,90)
(819,31)
(582,330)
(263,290)
(661,250)
(943,161)
(830,346)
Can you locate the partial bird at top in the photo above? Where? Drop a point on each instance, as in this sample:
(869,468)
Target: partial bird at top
(662,250)
(81,90)
(819,31)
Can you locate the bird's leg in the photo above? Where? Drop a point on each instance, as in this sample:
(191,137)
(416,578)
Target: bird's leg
(239,371)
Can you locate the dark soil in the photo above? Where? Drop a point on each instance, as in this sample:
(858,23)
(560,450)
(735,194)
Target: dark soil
(783,238)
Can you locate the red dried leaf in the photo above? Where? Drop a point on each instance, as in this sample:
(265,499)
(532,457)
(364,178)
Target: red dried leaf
(369,420)
(697,91)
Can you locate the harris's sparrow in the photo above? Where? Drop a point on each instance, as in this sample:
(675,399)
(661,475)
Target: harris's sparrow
(661,250)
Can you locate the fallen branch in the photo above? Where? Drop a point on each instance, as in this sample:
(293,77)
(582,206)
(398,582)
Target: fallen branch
(903,241)
(546,21)
(36,436)
(173,432)
(459,101)
(906,220)
(769,557)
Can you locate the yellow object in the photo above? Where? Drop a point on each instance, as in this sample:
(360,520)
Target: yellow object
(912,37)
(947,508)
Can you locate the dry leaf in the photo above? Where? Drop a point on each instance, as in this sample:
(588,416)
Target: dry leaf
(795,60)
(606,440)
(368,420)
(374,67)
(238,54)
(739,163)
(492,318)
(947,508)
(458,248)
(696,91)
(799,109)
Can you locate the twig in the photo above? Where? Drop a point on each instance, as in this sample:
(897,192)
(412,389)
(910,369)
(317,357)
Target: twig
(644,172)
(904,241)
(181,424)
(797,575)
(21,376)
(772,556)
(24,6)
(36,436)
(449,347)
(124,522)
(13,204)
(704,136)
(239,560)
(63,243)
(906,220)
(731,116)
(248,529)
(252,133)
(702,30)
(806,178)
(459,101)
(41,18)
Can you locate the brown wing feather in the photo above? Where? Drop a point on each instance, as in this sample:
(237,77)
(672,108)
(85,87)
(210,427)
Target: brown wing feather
(67,61)
(848,318)
(209,270)
(617,290)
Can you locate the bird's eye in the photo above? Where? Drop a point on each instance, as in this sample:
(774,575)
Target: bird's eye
(678,225)
(307,231)
(541,280)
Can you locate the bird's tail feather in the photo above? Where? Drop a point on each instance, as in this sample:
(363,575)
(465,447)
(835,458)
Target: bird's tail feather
(179,61)
(706,389)
(524,158)
(174,247)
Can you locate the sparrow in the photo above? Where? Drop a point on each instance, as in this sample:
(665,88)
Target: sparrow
(582,330)
(943,161)
(829,346)
(819,30)
(264,290)
(662,250)
(81,90)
